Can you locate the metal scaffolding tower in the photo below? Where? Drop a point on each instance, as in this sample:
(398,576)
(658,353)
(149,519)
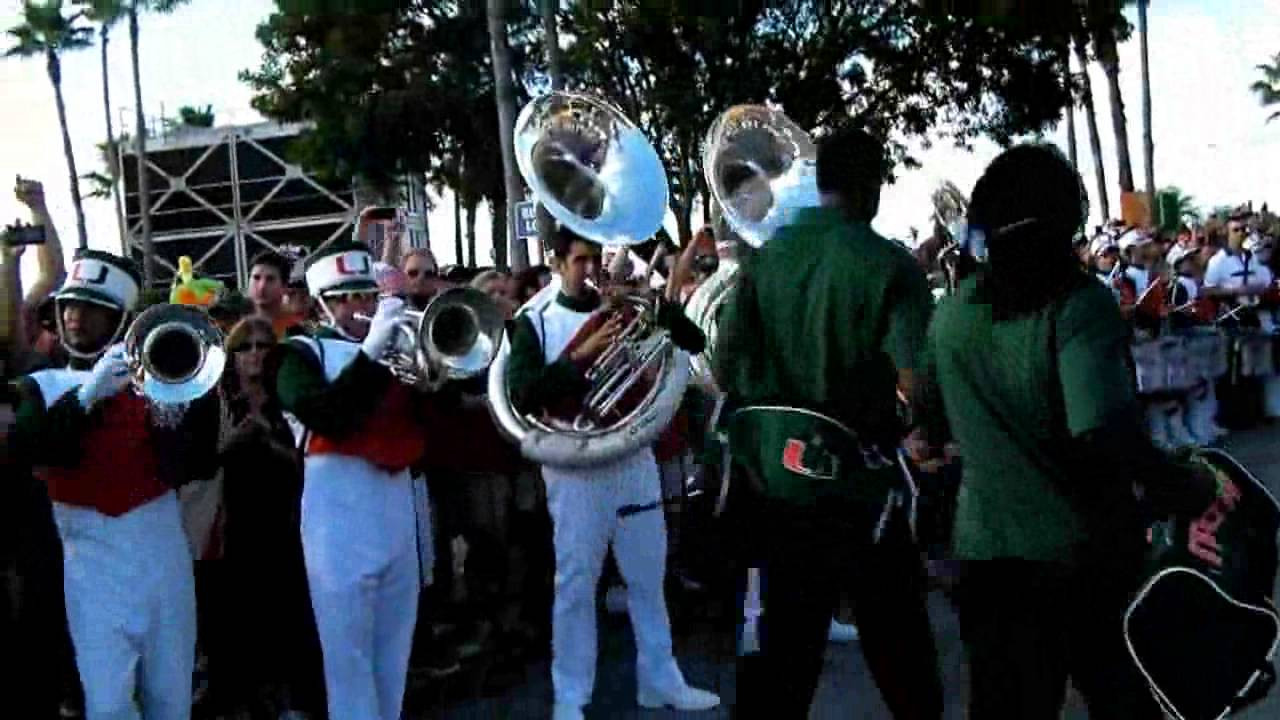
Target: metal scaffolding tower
(222,195)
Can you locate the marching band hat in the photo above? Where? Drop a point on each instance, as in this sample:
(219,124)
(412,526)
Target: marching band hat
(102,279)
(1132,238)
(1102,243)
(343,267)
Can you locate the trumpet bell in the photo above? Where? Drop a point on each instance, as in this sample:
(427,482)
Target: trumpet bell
(176,352)
(760,168)
(591,168)
(460,332)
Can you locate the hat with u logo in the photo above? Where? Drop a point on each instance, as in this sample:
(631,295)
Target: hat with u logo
(102,279)
(340,268)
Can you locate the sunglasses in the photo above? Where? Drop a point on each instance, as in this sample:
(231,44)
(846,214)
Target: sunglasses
(425,274)
(1235,229)
(353,297)
(253,346)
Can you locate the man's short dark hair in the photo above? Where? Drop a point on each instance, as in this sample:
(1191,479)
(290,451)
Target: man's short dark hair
(853,165)
(564,238)
(272,259)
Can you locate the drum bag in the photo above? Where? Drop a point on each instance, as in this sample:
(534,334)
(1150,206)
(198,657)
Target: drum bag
(1203,636)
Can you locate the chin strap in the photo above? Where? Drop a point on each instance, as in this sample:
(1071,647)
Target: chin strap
(330,321)
(80,354)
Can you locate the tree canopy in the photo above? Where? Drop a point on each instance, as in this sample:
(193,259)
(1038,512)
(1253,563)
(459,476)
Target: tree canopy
(407,87)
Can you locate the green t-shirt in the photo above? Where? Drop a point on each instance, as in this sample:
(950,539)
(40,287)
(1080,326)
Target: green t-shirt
(822,317)
(1017,392)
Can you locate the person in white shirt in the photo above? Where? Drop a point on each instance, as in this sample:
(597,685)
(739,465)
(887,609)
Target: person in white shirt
(1238,278)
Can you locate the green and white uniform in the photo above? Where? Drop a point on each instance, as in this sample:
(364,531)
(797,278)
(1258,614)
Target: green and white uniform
(616,504)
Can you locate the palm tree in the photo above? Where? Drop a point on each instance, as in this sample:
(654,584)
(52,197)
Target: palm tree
(107,13)
(1148,143)
(1104,44)
(505,92)
(1091,119)
(135,8)
(1268,88)
(1187,210)
(44,30)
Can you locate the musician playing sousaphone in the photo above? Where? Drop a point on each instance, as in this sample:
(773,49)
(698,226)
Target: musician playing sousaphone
(617,504)
(826,320)
(1029,357)
(111,468)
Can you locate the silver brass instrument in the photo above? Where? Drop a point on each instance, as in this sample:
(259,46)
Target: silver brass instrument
(596,174)
(176,354)
(760,168)
(950,207)
(454,338)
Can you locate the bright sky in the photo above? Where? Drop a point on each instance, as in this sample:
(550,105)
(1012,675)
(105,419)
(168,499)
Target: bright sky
(1210,136)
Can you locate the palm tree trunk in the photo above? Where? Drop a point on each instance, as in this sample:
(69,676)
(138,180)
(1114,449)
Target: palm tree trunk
(1072,151)
(1105,43)
(457,230)
(1091,119)
(499,232)
(112,156)
(140,138)
(55,77)
(551,36)
(471,233)
(505,94)
(1148,143)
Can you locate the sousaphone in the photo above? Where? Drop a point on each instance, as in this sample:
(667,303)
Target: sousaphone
(595,173)
(760,168)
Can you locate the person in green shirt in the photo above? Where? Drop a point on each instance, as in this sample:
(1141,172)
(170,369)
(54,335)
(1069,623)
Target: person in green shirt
(1027,364)
(825,324)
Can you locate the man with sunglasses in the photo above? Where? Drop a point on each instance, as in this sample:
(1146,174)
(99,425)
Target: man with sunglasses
(422,277)
(1234,276)
(111,466)
(364,518)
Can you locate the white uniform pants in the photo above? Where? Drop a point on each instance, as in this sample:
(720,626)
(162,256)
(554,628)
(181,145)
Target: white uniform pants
(131,606)
(360,541)
(591,508)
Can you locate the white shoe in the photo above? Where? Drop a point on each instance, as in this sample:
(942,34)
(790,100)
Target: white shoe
(615,600)
(842,633)
(685,698)
(566,712)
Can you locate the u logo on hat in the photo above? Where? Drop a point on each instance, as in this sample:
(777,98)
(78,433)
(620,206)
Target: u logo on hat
(359,265)
(78,276)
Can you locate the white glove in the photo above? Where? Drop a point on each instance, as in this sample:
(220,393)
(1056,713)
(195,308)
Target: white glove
(382,329)
(109,376)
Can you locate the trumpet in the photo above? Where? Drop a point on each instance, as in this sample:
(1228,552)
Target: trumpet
(455,338)
(175,354)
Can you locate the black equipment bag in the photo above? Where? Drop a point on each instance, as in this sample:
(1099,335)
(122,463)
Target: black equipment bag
(1204,634)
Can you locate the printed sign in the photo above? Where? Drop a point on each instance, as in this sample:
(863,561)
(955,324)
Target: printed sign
(526,219)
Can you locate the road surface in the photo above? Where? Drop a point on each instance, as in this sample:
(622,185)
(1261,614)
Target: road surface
(846,691)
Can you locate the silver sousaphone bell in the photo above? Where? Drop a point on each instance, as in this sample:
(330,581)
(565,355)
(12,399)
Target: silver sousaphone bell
(761,168)
(175,353)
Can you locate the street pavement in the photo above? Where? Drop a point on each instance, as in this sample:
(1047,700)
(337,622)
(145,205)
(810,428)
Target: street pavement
(846,692)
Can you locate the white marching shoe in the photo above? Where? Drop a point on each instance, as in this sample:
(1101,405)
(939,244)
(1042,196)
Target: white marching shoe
(684,698)
(842,633)
(566,712)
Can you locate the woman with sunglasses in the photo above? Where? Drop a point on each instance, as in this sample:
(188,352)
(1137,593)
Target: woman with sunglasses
(263,648)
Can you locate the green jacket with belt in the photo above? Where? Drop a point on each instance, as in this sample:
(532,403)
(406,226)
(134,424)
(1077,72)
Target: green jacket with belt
(822,318)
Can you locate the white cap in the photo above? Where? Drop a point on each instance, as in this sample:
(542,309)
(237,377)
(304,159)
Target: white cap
(1102,243)
(1177,254)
